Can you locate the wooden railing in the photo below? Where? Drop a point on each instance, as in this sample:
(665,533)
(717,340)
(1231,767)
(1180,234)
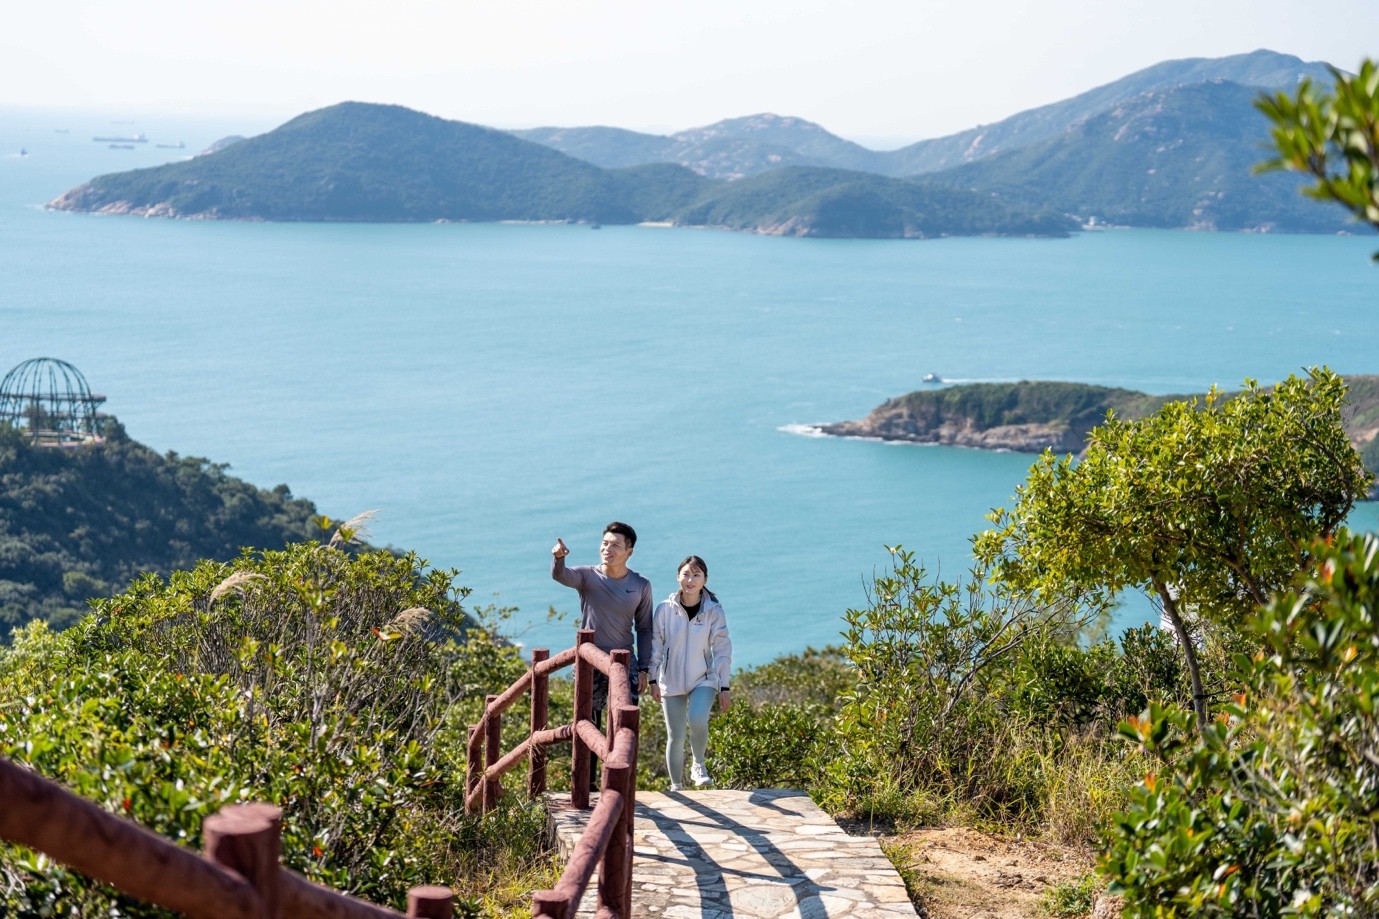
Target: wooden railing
(238,877)
(607,839)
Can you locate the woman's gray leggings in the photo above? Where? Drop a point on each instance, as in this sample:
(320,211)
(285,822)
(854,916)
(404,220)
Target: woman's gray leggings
(692,711)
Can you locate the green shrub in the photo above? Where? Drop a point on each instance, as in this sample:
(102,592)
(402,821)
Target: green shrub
(976,704)
(309,678)
(1272,811)
(1072,898)
(774,746)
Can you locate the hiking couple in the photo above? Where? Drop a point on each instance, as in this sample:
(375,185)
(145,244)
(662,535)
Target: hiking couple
(683,655)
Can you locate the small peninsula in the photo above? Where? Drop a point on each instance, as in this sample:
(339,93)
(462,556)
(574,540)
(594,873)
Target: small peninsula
(1033,416)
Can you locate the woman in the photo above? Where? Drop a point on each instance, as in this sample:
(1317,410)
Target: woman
(691,658)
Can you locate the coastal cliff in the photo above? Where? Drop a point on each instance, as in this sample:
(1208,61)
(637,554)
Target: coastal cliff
(1033,416)
(1025,417)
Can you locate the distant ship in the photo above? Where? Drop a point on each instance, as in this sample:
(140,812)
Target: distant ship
(122,139)
(23,152)
(931,378)
(121,146)
(180,145)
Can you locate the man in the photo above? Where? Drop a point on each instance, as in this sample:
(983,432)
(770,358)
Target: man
(614,601)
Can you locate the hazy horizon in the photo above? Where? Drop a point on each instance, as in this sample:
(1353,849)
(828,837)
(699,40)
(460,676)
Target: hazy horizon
(882,73)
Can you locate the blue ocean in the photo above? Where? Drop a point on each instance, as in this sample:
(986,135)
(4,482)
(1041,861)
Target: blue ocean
(490,387)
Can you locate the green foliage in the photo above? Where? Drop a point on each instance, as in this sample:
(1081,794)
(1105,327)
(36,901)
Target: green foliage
(309,677)
(1072,898)
(1208,508)
(1056,682)
(1271,811)
(1331,136)
(78,524)
(931,657)
(774,746)
(809,201)
(1077,406)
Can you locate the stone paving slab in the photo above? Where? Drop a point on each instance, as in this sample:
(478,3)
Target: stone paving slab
(730,854)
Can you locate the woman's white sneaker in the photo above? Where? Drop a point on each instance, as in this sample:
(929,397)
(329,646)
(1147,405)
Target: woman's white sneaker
(699,775)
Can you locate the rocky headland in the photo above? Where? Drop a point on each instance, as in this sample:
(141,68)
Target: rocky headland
(1026,417)
(1033,416)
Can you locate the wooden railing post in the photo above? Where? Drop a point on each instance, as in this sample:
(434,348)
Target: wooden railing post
(493,750)
(540,704)
(624,657)
(615,870)
(430,903)
(630,718)
(247,839)
(584,711)
(549,903)
(474,764)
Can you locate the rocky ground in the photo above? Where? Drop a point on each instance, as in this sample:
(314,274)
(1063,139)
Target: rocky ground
(962,873)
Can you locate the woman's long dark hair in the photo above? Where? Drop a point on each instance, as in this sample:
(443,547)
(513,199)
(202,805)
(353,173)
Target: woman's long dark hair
(703,566)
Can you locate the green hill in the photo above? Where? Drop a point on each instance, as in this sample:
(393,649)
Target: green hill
(737,147)
(805,201)
(362,162)
(1177,158)
(1261,69)
(357,162)
(76,524)
(728,149)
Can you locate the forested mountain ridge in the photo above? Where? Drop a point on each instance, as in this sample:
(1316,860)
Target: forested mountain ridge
(81,523)
(810,201)
(768,141)
(1179,154)
(1177,158)
(377,163)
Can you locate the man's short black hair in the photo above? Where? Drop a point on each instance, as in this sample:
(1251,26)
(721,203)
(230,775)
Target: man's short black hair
(624,531)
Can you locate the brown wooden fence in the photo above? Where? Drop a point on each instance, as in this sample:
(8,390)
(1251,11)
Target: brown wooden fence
(239,875)
(607,840)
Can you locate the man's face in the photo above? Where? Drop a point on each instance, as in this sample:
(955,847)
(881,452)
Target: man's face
(613,550)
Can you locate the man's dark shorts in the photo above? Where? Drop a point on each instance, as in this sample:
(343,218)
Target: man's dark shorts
(600,689)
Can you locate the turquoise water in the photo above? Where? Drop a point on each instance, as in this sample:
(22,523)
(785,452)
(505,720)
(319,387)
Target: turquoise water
(490,387)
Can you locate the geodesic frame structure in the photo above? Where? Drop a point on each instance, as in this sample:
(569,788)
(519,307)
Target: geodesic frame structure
(49,398)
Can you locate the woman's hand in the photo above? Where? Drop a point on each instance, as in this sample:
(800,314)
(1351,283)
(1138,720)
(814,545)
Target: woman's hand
(725,700)
(655,692)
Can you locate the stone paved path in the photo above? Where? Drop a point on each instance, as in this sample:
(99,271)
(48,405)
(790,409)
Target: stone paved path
(746,854)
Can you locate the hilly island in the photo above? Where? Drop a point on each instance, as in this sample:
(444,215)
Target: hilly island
(1172,146)
(1033,416)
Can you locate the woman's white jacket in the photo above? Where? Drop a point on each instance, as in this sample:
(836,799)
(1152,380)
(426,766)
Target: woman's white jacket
(687,653)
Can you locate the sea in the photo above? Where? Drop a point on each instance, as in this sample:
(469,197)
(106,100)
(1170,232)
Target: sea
(487,388)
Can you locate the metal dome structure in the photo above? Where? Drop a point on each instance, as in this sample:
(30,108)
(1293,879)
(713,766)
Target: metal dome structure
(50,399)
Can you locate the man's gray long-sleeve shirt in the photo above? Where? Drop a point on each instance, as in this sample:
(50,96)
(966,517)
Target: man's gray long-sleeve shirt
(615,608)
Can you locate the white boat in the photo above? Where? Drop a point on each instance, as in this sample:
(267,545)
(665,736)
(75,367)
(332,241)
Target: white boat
(931,378)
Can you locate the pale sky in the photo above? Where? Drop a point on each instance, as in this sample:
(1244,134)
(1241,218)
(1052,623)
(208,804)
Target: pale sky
(876,71)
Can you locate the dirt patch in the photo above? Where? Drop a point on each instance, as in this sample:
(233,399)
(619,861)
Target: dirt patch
(961,873)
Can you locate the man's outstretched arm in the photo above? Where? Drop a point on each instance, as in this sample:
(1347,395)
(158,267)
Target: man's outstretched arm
(558,570)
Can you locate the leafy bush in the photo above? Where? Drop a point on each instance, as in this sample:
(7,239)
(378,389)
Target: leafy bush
(1272,811)
(1065,683)
(1072,898)
(310,678)
(775,746)
(977,704)
(923,716)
